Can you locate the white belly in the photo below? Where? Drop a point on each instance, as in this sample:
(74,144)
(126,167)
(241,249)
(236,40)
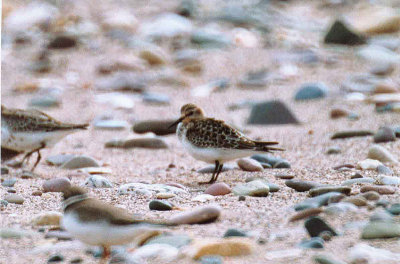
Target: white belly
(101,233)
(27,141)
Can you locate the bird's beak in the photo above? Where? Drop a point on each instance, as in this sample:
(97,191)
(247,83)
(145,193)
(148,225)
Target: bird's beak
(177,122)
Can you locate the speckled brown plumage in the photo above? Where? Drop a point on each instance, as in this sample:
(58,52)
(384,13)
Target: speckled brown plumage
(19,120)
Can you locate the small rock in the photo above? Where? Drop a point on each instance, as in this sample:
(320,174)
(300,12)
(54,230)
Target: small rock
(164,253)
(11,190)
(205,214)
(384,134)
(334,150)
(385,88)
(388,180)
(153,55)
(148,143)
(352,133)
(369,164)
(394,209)
(44,101)
(370,195)
(60,159)
(48,218)
(120,82)
(316,201)
(217,189)
(158,127)
(315,242)
(358,181)
(321,190)
(315,225)
(254,79)
(381,216)
(305,214)
(210,39)
(111,124)
(97,181)
(159,205)
(339,33)
(203,198)
(242,198)
(119,19)
(254,188)
(4,170)
(302,186)
(37,193)
(166,25)
(378,54)
(311,91)
(340,208)
(6,233)
(248,164)
(323,259)
(383,69)
(271,113)
(62,42)
(378,189)
(9,182)
(156,99)
(363,253)
(356,200)
(14,198)
(377,20)
(234,233)
(381,169)
(234,246)
(211,260)
(165,195)
(56,185)
(356,176)
(344,167)
(59,235)
(284,176)
(148,189)
(381,230)
(188,61)
(177,241)
(78,162)
(55,258)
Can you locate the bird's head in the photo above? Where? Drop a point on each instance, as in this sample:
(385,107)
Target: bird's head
(189,111)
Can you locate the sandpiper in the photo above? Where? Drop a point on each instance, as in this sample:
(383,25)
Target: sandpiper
(98,223)
(29,131)
(213,141)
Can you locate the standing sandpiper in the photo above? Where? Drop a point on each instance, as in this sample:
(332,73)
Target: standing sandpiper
(213,141)
(29,131)
(100,224)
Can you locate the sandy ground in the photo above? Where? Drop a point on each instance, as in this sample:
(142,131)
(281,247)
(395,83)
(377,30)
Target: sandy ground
(267,217)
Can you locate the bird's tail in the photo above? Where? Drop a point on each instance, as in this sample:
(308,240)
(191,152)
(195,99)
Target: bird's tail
(265,146)
(75,126)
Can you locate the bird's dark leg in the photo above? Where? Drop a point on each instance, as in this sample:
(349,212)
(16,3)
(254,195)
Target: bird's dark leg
(39,157)
(213,175)
(29,154)
(218,172)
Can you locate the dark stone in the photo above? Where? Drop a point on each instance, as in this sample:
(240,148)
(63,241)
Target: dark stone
(314,242)
(254,79)
(158,127)
(339,33)
(274,162)
(4,170)
(211,259)
(187,8)
(60,235)
(76,260)
(302,186)
(315,225)
(55,258)
(271,113)
(242,198)
(159,205)
(316,201)
(234,233)
(311,91)
(384,134)
(7,154)
(394,209)
(352,133)
(62,42)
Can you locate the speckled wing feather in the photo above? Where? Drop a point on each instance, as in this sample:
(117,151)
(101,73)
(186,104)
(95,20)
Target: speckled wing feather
(211,133)
(33,120)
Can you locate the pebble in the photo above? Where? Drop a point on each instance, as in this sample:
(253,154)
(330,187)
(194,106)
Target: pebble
(305,214)
(97,181)
(156,98)
(119,19)
(111,124)
(271,113)
(188,61)
(166,25)
(59,235)
(37,193)
(374,20)
(210,168)
(381,216)
(217,189)
(158,127)
(148,143)
(44,101)
(14,198)
(28,175)
(203,198)
(165,195)
(120,82)
(248,164)
(316,201)
(95,170)
(302,186)
(177,241)
(377,152)
(344,167)
(205,214)
(363,253)
(154,56)
(14,233)
(321,190)
(284,176)
(233,246)
(383,69)
(394,209)
(356,200)
(384,134)
(211,260)
(48,218)
(315,225)
(56,185)
(358,181)
(378,189)
(388,180)
(378,54)
(385,229)
(334,150)
(255,79)
(381,169)
(311,91)
(159,205)
(59,159)
(370,195)
(210,39)
(385,88)
(10,182)
(368,164)
(275,162)
(62,42)
(232,232)
(339,208)
(254,188)
(148,189)
(78,162)
(4,170)
(11,190)
(242,198)
(314,242)
(352,133)
(164,253)
(323,259)
(340,33)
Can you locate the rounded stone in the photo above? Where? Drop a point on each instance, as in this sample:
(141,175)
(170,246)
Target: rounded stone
(55,258)
(56,185)
(205,214)
(376,230)
(321,190)
(254,188)
(248,164)
(97,181)
(394,209)
(60,159)
(14,198)
(377,152)
(381,169)
(9,182)
(177,241)
(370,195)
(369,164)
(37,193)
(356,200)
(48,218)
(301,186)
(384,134)
(159,205)
(232,232)
(80,162)
(378,189)
(217,189)
(311,91)
(314,242)
(315,226)
(334,150)
(158,127)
